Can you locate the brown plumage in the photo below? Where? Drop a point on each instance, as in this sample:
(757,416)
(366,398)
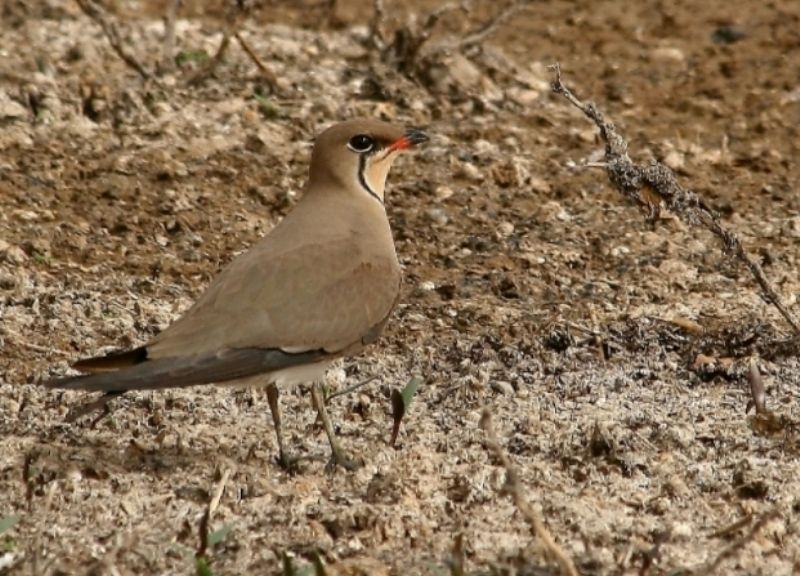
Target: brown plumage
(320,285)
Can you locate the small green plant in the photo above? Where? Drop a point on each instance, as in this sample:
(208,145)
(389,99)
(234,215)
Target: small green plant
(208,540)
(401,400)
(7,544)
(41,258)
(201,567)
(217,536)
(268,110)
(8,522)
(185,56)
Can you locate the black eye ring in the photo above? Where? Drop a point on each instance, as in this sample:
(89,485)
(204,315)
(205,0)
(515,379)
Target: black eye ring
(361,143)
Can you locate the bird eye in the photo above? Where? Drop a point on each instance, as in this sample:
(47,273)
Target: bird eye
(361,143)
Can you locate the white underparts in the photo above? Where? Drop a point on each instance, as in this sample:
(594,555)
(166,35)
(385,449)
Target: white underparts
(303,374)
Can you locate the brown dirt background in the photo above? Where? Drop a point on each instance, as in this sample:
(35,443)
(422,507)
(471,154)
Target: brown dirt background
(120,199)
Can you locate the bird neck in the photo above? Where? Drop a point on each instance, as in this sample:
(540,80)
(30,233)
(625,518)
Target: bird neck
(361,183)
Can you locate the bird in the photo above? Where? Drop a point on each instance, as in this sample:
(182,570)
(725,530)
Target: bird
(319,286)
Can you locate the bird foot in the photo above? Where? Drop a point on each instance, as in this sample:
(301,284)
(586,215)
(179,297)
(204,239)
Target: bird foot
(339,458)
(288,462)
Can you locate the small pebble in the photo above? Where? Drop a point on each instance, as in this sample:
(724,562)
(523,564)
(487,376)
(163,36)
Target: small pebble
(505,228)
(14,255)
(503,387)
(539,184)
(668,54)
(470,172)
(675,160)
(443,192)
(437,216)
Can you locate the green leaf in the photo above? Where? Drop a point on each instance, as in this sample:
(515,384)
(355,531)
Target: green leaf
(8,522)
(201,567)
(191,56)
(41,258)
(218,536)
(319,566)
(410,390)
(268,110)
(400,403)
(288,566)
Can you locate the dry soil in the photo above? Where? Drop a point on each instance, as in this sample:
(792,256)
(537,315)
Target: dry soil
(612,352)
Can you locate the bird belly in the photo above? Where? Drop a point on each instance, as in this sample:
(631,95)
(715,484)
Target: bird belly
(293,376)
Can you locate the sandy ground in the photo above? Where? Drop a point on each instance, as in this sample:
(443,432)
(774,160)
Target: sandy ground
(611,351)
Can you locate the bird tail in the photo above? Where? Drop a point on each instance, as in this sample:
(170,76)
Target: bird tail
(183,371)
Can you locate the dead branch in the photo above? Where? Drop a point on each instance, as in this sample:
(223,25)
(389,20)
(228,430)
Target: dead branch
(202,532)
(404,50)
(350,389)
(207,70)
(168,49)
(101,403)
(111,31)
(757,394)
(19,340)
(269,75)
(514,488)
(640,183)
(492,24)
(731,528)
(233,18)
(376,25)
(215,499)
(433,19)
(235,14)
(736,547)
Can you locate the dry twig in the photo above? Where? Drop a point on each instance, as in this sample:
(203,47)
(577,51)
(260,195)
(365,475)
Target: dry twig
(20,341)
(235,15)
(404,50)
(758,396)
(207,70)
(202,532)
(376,25)
(639,182)
(96,13)
(726,531)
(493,23)
(736,547)
(168,49)
(515,489)
(103,402)
(214,503)
(350,389)
(269,75)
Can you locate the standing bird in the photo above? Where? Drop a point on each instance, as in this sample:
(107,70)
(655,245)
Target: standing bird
(318,287)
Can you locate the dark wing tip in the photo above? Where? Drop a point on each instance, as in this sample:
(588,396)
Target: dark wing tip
(112,361)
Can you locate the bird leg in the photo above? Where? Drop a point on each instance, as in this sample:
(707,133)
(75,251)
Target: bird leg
(338,456)
(285,459)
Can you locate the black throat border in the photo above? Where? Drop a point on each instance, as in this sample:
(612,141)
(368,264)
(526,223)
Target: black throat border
(362,179)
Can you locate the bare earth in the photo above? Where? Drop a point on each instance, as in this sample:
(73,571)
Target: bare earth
(612,352)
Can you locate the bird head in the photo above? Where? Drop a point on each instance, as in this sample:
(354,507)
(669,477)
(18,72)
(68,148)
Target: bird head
(357,154)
